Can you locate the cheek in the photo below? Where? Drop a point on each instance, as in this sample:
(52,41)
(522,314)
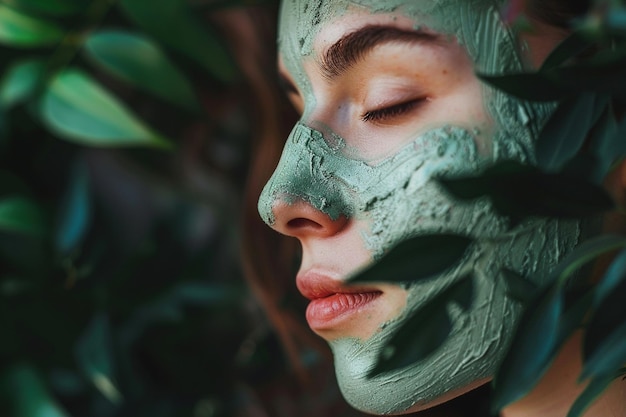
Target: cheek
(406,199)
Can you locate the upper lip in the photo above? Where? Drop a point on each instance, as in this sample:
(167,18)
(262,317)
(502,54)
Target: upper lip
(314,285)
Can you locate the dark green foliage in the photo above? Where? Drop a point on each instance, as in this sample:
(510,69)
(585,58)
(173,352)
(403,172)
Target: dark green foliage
(535,342)
(518,287)
(520,191)
(417,259)
(121,292)
(427,328)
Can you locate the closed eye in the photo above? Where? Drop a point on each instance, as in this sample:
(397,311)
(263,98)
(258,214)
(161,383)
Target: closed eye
(392,111)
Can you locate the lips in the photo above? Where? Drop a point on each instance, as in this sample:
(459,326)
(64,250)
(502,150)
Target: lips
(332,302)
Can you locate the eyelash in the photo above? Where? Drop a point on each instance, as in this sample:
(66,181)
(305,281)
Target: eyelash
(392,111)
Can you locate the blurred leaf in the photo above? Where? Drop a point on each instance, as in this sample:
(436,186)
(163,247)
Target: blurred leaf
(521,191)
(170,307)
(94,353)
(586,252)
(425,331)
(609,356)
(29,395)
(417,258)
(528,86)
(78,109)
(139,61)
(531,350)
(22,31)
(22,215)
(52,8)
(604,348)
(171,22)
(595,388)
(616,20)
(20,81)
(609,143)
(572,46)
(602,73)
(518,287)
(573,317)
(75,211)
(614,276)
(564,134)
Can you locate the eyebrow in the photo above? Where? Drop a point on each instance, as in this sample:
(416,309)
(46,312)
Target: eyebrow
(353,47)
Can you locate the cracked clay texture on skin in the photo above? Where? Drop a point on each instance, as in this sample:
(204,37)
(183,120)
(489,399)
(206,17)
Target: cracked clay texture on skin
(398,198)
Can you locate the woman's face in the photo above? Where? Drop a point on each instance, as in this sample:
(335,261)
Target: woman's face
(390,101)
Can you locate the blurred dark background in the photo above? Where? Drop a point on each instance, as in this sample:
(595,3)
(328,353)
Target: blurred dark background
(127,129)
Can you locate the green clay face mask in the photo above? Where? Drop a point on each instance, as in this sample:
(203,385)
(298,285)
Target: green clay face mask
(397,198)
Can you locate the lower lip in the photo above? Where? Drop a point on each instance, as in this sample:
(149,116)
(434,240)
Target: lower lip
(326,312)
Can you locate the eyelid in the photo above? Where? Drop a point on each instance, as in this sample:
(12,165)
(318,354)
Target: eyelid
(393,110)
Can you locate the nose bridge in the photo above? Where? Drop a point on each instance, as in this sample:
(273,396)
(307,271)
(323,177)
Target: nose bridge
(304,173)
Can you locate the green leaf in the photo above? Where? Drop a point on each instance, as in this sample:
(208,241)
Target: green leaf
(528,86)
(418,258)
(75,211)
(572,46)
(609,356)
(94,353)
(531,350)
(605,339)
(52,8)
(425,331)
(78,109)
(564,134)
(171,22)
(586,252)
(521,191)
(139,61)
(615,20)
(518,287)
(573,317)
(22,31)
(595,388)
(602,73)
(609,142)
(29,394)
(20,81)
(614,276)
(22,215)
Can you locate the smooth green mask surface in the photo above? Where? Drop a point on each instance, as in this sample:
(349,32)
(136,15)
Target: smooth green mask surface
(398,198)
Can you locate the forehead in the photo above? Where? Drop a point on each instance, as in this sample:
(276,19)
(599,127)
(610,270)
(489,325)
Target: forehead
(302,20)
(308,27)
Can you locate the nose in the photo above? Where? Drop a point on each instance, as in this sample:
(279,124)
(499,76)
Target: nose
(304,197)
(300,219)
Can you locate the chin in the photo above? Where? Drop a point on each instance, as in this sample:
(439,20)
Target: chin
(466,360)
(418,387)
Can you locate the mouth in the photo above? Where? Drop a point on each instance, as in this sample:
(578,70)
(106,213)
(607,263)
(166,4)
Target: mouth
(333,303)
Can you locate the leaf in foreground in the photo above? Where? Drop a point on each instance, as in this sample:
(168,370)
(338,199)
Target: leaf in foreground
(78,109)
(595,388)
(520,191)
(417,258)
(519,288)
(531,350)
(564,134)
(426,330)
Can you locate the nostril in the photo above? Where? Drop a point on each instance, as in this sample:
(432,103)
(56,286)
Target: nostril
(301,223)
